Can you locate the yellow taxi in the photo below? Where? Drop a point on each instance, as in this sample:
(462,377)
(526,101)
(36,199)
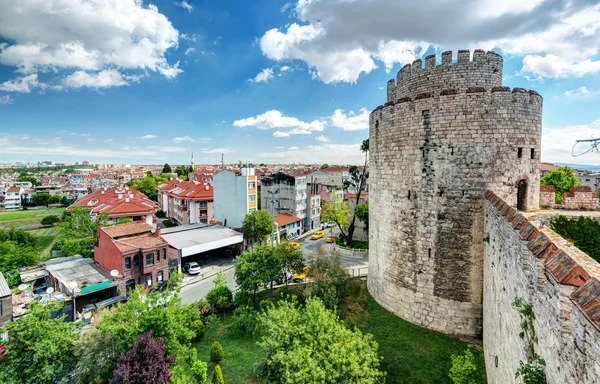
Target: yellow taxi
(317,235)
(292,246)
(301,275)
(332,239)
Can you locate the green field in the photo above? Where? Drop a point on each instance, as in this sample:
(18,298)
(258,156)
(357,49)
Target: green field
(38,214)
(410,354)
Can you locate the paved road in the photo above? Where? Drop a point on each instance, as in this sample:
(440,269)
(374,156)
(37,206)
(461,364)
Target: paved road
(198,290)
(308,246)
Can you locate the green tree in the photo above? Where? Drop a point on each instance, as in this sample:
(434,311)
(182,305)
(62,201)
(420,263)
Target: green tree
(329,280)
(464,369)
(262,265)
(148,186)
(124,220)
(584,232)
(31,179)
(357,181)
(39,349)
(78,233)
(200,371)
(50,220)
(362,213)
(257,225)
(325,166)
(65,201)
(563,179)
(166,168)
(149,174)
(54,199)
(216,353)
(41,199)
(182,171)
(17,249)
(220,297)
(198,328)
(311,345)
(336,211)
(217,377)
(290,260)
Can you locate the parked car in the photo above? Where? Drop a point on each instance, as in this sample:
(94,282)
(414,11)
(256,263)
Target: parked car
(332,239)
(317,235)
(192,268)
(293,245)
(301,275)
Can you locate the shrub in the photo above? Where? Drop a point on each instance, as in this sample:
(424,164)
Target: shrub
(245,321)
(533,370)
(241,299)
(216,353)
(200,370)
(220,297)
(198,328)
(217,377)
(464,370)
(203,308)
(50,220)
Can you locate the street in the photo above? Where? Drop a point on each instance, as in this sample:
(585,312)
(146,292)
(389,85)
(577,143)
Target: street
(197,290)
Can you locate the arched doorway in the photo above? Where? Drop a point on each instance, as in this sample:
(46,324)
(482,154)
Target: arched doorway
(522,195)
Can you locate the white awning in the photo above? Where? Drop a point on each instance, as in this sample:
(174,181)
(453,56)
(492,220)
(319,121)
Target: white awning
(191,240)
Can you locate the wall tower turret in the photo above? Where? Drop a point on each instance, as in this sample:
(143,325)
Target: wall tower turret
(447,132)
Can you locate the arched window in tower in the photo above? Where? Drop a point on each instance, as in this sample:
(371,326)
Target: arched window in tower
(522,195)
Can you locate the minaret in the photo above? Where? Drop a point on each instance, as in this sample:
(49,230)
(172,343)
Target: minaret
(193,161)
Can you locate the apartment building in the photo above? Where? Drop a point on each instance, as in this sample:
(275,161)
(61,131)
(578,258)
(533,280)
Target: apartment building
(187,202)
(282,192)
(12,198)
(235,196)
(313,211)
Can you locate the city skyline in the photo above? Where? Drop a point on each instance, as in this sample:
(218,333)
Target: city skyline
(268,82)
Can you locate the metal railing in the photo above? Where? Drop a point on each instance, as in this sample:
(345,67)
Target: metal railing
(357,272)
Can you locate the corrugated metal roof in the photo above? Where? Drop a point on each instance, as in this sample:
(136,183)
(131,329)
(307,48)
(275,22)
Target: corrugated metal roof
(4,290)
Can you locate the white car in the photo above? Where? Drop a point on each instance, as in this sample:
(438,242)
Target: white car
(192,268)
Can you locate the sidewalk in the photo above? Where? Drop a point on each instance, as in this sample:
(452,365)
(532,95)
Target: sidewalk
(208,271)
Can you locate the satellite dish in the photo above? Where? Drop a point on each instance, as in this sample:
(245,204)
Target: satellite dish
(114,273)
(22,287)
(49,290)
(153,230)
(73,284)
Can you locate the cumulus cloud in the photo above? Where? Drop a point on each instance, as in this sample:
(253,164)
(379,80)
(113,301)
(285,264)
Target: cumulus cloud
(21,84)
(191,139)
(294,148)
(86,39)
(6,99)
(317,154)
(263,76)
(103,79)
(274,119)
(558,38)
(148,137)
(557,143)
(350,121)
(323,138)
(581,91)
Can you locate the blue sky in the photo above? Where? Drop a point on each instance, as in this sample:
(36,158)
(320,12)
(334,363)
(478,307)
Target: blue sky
(125,81)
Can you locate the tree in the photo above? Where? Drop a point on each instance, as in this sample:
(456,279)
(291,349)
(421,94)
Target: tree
(200,371)
(198,328)
(217,377)
(124,220)
(39,349)
(31,179)
(17,249)
(325,166)
(216,353)
(311,345)
(50,220)
(220,296)
(291,261)
(54,199)
(563,179)
(166,168)
(149,174)
(148,186)
(41,199)
(78,233)
(144,363)
(259,266)
(257,225)
(336,211)
(362,213)
(182,171)
(65,201)
(464,369)
(357,181)
(329,280)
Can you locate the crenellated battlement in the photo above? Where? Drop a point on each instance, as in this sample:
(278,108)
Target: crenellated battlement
(483,70)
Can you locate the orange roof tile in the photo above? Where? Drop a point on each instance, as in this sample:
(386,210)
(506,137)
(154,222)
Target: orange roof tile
(284,219)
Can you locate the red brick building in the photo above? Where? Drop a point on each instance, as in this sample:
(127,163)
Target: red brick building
(137,251)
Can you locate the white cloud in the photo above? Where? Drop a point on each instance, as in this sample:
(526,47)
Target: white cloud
(263,76)
(25,137)
(88,36)
(557,143)
(280,134)
(275,119)
(323,139)
(103,79)
(184,4)
(581,91)
(184,138)
(558,38)
(218,150)
(167,149)
(21,84)
(148,137)
(6,99)
(190,50)
(318,154)
(350,121)
(285,68)
(294,148)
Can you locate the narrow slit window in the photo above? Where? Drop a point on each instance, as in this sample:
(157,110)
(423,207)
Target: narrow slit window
(532,153)
(519,152)
(409,194)
(452,150)
(430,253)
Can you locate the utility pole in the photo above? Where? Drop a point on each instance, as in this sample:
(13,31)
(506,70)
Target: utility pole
(222,161)
(272,194)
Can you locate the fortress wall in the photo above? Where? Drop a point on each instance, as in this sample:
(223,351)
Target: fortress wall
(562,284)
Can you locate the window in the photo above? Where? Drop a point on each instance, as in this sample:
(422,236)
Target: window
(149,280)
(127,263)
(252,198)
(532,153)
(164,254)
(149,259)
(519,152)
(136,261)
(158,256)
(252,185)
(159,276)
(252,210)
(203,221)
(202,204)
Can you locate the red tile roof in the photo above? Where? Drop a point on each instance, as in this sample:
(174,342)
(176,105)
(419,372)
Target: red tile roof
(547,167)
(284,219)
(127,229)
(13,189)
(149,241)
(348,196)
(188,189)
(117,202)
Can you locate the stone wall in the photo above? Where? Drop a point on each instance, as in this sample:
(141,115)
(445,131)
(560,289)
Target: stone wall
(547,195)
(523,260)
(433,153)
(580,197)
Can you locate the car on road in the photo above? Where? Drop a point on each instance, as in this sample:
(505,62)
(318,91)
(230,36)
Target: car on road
(293,245)
(301,275)
(191,268)
(332,239)
(317,235)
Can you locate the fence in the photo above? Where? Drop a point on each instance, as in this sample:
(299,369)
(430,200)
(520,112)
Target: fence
(344,251)
(357,272)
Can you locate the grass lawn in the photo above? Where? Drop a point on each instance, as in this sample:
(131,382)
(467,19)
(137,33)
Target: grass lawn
(37,214)
(355,244)
(411,354)
(241,352)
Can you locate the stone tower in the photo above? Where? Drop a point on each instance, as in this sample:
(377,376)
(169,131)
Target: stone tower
(446,134)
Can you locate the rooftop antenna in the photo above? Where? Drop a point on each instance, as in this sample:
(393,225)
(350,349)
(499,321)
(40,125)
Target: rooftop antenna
(594,145)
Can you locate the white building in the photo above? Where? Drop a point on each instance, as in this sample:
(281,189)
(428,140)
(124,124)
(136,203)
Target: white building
(234,196)
(12,199)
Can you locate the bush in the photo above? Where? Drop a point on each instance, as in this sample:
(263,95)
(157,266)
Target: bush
(584,232)
(160,215)
(245,321)
(217,376)
(203,308)
(200,370)
(199,329)
(533,370)
(220,297)
(464,370)
(216,353)
(50,220)
(241,299)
